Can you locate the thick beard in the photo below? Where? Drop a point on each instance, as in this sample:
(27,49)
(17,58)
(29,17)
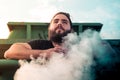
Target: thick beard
(57,37)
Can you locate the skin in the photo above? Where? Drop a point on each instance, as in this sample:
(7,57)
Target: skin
(59,24)
(60,21)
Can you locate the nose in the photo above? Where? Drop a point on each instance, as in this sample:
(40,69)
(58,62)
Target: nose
(59,22)
(59,25)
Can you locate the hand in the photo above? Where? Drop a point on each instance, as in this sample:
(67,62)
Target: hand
(60,49)
(57,49)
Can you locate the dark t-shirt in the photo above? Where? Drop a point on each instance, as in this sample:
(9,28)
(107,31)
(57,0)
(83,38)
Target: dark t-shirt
(40,44)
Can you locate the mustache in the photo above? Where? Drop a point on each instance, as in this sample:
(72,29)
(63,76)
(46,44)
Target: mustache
(59,27)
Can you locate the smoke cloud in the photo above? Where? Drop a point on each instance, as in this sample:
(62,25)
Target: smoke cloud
(83,52)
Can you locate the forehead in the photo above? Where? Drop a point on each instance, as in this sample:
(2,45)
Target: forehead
(61,16)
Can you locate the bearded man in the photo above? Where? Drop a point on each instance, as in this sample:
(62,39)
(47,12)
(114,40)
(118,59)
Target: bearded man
(59,27)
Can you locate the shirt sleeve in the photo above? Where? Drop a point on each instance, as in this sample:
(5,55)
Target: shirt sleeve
(40,44)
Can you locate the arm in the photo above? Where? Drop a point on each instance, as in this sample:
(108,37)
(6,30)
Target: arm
(20,51)
(24,50)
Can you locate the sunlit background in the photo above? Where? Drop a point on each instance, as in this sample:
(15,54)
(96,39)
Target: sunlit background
(106,12)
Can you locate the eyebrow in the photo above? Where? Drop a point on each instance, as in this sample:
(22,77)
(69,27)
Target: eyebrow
(62,20)
(65,20)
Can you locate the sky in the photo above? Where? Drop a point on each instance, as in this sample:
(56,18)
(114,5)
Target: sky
(106,12)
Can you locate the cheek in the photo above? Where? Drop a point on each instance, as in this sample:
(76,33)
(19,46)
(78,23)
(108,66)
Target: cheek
(52,27)
(67,28)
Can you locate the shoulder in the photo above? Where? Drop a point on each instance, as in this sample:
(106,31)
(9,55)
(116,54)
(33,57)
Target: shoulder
(40,44)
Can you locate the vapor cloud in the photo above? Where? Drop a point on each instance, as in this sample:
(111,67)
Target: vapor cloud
(77,64)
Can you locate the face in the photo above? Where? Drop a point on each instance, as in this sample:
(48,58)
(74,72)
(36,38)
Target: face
(60,24)
(59,27)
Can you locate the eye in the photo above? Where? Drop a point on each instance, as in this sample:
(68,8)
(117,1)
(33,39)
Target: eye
(64,21)
(55,21)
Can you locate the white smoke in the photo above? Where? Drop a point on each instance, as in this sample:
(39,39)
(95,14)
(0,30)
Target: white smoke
(75,65)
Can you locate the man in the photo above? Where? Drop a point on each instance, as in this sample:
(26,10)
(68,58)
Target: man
(59,27)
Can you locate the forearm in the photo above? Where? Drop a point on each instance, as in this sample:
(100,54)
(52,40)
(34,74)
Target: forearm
(21,51)
(24,51)
(23,54)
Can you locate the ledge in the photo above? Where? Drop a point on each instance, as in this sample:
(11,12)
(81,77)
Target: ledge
(6,65)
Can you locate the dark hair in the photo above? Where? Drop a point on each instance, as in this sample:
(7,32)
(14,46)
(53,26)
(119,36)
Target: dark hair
(67,15)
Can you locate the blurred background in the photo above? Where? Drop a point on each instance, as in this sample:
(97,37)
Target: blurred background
(103,11)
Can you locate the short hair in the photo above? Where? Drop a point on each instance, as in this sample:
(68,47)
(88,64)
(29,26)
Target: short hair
(66,14)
